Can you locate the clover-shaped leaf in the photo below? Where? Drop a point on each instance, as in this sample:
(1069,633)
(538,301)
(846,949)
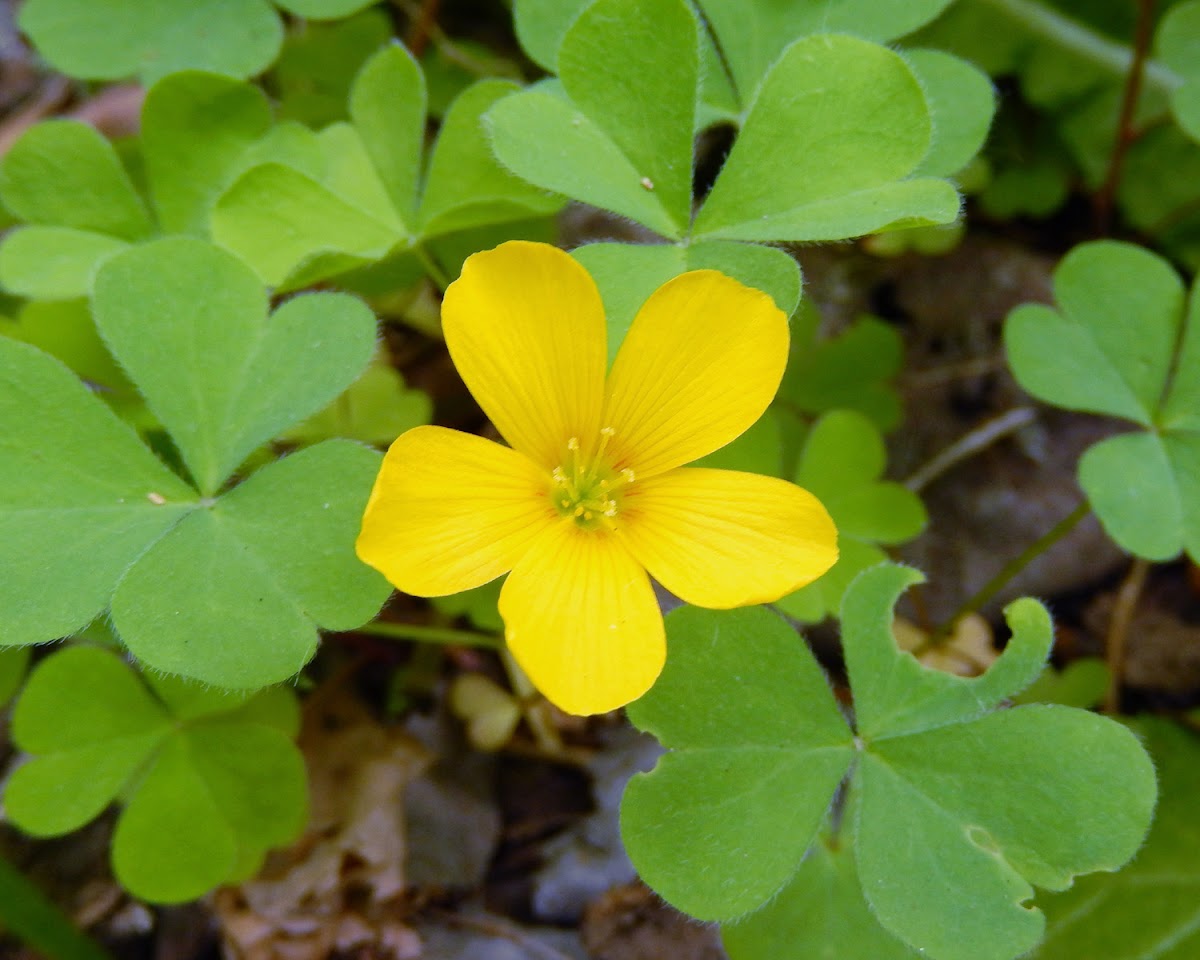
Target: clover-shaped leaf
(825,159)
(622,135)
(216,773)
(842,464)
(367,196)
(1124,343)
(188,323)
(114,39)
(948,848)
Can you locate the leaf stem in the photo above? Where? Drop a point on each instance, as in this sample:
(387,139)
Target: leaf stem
(1011,569)
(423,634)
(1084,41)
(1103,200)
(1128,595)
(970,444)
(432,267)
(25,912)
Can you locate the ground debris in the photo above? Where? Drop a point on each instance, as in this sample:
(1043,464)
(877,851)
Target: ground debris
(340,889)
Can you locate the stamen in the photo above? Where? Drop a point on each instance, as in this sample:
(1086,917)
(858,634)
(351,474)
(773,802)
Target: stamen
(628,475)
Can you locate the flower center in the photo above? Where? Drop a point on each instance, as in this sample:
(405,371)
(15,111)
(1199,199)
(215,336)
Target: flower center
(589,490)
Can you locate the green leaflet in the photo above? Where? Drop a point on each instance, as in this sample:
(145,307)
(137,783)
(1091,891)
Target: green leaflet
(622,134)
(847,372)
(237,378)
(188,323)
(1124,343)
(821,162)
(217,773)
(842,463)
(63,173)
(947,848)
(114,39)
(1151,909)
(753,33)
(1177,44)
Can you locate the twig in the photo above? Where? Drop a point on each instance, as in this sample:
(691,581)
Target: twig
(1011,569)
(1128,595)
(948,373)
(970,444)
(1105,196)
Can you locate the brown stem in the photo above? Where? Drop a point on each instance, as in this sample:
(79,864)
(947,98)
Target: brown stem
(1118,630)
(1102,203)
(422,26)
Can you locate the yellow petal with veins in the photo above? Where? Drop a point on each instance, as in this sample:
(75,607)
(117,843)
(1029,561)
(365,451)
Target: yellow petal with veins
(699,365)
(525,328)
(582,620)
(451,511)
(720,538)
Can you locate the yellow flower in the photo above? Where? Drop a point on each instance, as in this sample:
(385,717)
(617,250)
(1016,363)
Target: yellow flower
(593,493)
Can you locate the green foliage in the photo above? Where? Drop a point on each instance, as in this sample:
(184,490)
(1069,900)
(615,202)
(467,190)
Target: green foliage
(13,664)
(25,912)
(947,849)
(961,104)
(1071,60)
(375,409)
(216,773)
(842,462)
(317,66)
(1150,910)
(1177,44)
(1123,343)
(621,63)
(228,589)
(849,372)
(114,39)
(820,912)
(1081,683)
(297,205)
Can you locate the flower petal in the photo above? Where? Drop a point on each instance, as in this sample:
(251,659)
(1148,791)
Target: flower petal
(719,538)
(525,327)
(582,620)
(699,365)
(450,511)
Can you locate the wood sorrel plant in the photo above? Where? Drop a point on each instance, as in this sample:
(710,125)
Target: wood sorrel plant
(165,345)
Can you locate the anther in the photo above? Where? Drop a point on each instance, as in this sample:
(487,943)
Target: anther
(628,475)
(573,443)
